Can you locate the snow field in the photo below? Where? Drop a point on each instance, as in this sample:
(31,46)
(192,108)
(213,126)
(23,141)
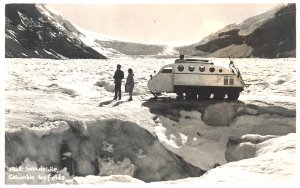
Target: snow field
(61,114)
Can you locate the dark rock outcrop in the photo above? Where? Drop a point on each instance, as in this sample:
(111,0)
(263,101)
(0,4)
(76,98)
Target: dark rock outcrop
(225,39)
(268,35)
(277,37)
(29,33)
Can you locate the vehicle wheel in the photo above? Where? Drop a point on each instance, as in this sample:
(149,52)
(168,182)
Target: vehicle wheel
(203,96)
(219,95)
(233,95)
(179,96)
(190,96)
(155,94)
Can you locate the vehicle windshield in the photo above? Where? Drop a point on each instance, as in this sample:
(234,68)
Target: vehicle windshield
(167,70)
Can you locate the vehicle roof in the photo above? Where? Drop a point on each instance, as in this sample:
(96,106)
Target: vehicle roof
(200,61)
(193,61)
(203,61)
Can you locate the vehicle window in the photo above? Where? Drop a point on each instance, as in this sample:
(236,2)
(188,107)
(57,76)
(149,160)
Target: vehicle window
(191,68)
(225,80)
(180,68)
(202,68)
(231,81)
(212,69)
(167,70)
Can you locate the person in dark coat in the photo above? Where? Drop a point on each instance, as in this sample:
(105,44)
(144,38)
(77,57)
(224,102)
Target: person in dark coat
(129,84)
(118,76)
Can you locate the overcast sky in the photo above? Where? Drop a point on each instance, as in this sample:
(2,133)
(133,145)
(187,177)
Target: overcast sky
(156,23)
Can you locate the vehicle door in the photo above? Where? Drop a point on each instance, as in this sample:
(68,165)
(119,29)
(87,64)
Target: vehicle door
(163,81)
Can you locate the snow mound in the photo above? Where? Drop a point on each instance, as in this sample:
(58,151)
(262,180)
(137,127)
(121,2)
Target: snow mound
(273,164)
(264,124)
(208,129)
(239,148)
(101,147)
(64,90)
(107,180)
(29,172)
(108,85)
(109,167)
(274,168)
(216,117)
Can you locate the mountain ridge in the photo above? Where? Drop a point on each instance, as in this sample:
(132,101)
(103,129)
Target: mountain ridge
(271,34)
(37,31)
(31,34)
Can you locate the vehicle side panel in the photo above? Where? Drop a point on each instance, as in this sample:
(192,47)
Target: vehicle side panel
(186,79)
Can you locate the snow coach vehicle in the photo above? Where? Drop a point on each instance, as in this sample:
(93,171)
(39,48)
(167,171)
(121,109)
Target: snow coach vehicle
(198,79)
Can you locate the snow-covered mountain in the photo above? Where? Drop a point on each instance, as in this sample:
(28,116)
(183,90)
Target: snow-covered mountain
(38,31)
(268,35)
(131,48)
(112,47)
(32,31)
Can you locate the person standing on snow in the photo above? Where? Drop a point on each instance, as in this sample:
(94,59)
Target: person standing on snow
(118,76)
(129,84)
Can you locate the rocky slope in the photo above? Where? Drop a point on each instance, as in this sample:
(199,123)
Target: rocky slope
(269,35)
(37,31)
(31,31)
